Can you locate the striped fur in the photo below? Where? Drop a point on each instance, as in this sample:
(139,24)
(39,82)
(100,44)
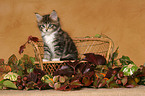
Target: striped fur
(58,45)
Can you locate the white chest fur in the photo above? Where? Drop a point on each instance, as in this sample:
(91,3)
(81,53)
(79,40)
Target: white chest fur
(49,40)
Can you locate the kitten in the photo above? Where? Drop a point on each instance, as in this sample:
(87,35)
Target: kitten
(58,45)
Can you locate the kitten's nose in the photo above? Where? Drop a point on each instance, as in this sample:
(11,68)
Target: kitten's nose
(46,29)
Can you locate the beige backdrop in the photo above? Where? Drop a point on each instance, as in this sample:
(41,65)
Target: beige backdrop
(122,20)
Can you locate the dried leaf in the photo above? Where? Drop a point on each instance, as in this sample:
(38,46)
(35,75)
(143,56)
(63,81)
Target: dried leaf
(35,39)
(21,49)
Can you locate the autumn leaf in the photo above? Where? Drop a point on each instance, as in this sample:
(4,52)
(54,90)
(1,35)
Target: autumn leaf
(21,49)
(95,59)
(31,38)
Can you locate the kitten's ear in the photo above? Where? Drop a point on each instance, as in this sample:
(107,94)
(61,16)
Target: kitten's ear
(39,17)
(53,15)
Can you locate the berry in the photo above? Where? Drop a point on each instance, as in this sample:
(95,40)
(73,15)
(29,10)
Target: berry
(19,81)
(115,78)
(15,82)
(39,77)
(114,72)
(118,81)
(20,87)
(24,84)
(120,74)
(25,78)
(19,77)
(39,82)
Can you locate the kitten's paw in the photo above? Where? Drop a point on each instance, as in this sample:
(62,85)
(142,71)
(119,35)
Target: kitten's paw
(45,60)
(56,59)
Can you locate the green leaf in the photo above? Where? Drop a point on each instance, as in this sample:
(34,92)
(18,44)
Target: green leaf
(125,60)
(20,72)
(9,84)
(113,84)
(87,81)
(29,70)
(1,61)
(48,81)
(115,54)
(124,80)
(76,83)
(32,59)
(1,82)
(19,62)
(62,79)
(12,60)
(98,36)
(102,83)
(57,85)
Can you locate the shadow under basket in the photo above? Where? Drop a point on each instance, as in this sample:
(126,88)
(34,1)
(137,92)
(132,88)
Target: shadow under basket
(101,46)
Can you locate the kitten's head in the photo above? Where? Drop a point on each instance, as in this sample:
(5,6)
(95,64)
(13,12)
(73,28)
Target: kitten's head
(48,23)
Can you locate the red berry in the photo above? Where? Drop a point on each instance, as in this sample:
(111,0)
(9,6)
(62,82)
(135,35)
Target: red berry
(120,74)
(19,77)
(24,84)
(19,81)
(25,78)
(39,82)
(115,78)
(118,81)
(20,87)
(114,72)
(15,82)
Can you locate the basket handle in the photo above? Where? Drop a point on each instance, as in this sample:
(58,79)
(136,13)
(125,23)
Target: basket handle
(37,53)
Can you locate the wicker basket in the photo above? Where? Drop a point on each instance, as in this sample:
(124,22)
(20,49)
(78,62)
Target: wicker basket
(100,46)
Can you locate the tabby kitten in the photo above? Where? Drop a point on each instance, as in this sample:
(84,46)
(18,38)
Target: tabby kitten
(58,45)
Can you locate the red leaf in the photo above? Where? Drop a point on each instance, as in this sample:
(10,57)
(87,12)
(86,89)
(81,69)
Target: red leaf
(95,59)
(130,86)
(87,81)
(21,49)
(1,61)
(91,58)
(124,80)
(35,39)
(73,64)
(102,83)
(64,88)
(113,84)
(75,84)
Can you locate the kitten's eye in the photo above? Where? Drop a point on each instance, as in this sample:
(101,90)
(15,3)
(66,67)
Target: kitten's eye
(42,26)
(51,26)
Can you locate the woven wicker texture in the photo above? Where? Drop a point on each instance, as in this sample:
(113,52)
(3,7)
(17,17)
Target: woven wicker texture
(84,45)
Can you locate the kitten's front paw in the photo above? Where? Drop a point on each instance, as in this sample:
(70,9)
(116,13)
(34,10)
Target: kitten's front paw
(45,60)
(56,59)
